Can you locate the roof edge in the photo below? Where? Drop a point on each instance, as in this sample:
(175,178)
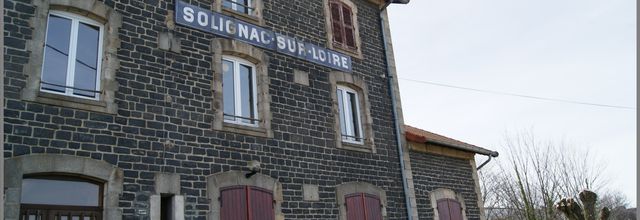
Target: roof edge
(414,134)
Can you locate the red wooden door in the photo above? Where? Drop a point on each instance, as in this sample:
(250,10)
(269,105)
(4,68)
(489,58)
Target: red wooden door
(261,204)
(233,203)
(449,209)
(361,206)
(373,207)
(246,203)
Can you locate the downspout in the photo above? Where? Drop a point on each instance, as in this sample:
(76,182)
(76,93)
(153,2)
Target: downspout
(492,155)
(396,123)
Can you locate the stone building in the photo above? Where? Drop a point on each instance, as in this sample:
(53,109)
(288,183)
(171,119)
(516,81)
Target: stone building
(445,176)
(201,109)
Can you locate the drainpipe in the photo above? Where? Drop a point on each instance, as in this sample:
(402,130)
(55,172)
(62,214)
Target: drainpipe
(492,155)
(394,105)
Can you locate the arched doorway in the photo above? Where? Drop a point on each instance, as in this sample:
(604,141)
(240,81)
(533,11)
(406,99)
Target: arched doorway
(60,197)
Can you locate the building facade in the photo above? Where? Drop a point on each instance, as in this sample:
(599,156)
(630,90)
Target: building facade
(445,176)
(125,109)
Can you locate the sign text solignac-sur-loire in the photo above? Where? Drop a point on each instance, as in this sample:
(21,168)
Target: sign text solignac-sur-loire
(225,26)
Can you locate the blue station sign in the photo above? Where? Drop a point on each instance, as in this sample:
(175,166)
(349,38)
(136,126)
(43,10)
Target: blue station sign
(198,18)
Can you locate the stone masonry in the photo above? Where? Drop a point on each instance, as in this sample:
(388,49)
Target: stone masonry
(431,172)
(164,116)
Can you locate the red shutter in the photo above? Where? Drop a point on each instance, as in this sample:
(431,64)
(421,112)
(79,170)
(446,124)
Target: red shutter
(261,201)
(443,209)
(455,210)
(449,209)
(355,207)
(233,203)
(349,33)
(336,22)
(373,207)
(362,206)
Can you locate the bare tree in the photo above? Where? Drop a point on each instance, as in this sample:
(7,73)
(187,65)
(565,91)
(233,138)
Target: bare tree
(535,174)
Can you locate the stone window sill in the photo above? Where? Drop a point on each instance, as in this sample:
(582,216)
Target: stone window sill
(367,148)
(246,130)
(355,53)
(244,17)
(72,102)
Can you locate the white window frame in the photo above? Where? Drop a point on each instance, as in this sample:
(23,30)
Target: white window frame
(348,115)
(234,6)
(73,42)
(237,94)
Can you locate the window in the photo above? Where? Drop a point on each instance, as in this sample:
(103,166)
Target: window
(240,88)
(362,206)
(349,113)
(239,93)
(240,6)
(72,56)
(342,27)
(342,21)
(60,198)
(246,203)
(449,209)
(245,10)
(353,123)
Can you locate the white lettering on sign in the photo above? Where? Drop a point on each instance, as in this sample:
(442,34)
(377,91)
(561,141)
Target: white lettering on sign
(203,18)
(225,26)
(265,37)
(188,14)
(335,59)
(230,27)
(243,31)
(301,49)
(345,62)
(254,35)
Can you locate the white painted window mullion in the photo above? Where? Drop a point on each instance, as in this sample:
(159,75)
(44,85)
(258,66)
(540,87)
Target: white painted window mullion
(237,91)
(71,67)
(348,113)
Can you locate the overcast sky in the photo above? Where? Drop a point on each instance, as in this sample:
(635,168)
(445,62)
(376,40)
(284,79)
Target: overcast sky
(582,50)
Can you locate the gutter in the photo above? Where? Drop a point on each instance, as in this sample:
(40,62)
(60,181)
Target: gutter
(396,122)
(488,153)
(483,152)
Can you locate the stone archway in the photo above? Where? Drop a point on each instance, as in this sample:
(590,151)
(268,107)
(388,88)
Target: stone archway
(17,167)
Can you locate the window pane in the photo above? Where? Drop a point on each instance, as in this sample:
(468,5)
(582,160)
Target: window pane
(59,192)
(337,33)
(346,14)
(241,7)
(227,89)
(246,93)
(56,53)
(86,60)
(354,114)
(343,126)
(335,12)
(349,37)
(227,4)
